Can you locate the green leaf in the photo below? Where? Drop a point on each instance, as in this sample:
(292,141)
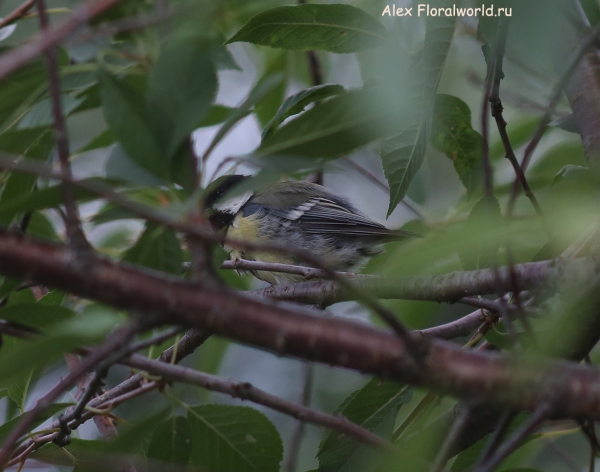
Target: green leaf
(46,198)
(453,135)
(7,427)
(332,128)
(267,106)
(212,353)
(227,438)
(104,139)
(133,439)
(125,112)
(35,315)
(221,56)
(18,388)
(544,170)
(16,187)
(80,453)
(481,245)
(468,458)
(571,172)
(53,298)
(401,157)
(19,88)
(336,28)
(111,212)
(40,226)
(31,143)
(8,285)
(403,154)
(522,469)
(592,11)
(298,102)
(40,114)
(23,356)
(157,248)
(74,78)
(171,441)
(181,88)
(121,167)
(36,143)
(217,114)
(374,407)
(465,461)
(263,86)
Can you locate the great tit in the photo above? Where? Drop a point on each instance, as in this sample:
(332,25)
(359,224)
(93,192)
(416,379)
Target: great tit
(302,215)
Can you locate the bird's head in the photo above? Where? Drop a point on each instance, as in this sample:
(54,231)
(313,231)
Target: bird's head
(222,203)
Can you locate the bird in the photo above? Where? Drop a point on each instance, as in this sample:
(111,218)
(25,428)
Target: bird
(302,215)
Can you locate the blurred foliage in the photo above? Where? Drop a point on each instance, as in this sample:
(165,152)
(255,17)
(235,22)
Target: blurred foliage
(401,95)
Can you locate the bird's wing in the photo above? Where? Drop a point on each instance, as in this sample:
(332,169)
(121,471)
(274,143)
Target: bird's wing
(321,215)
(328,216)
(318,211)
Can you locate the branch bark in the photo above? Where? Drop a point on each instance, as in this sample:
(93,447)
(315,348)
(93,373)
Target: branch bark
(522,384)
(247,391)
(442,288)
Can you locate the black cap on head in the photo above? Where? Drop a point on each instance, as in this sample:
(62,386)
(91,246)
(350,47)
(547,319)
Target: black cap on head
(218,188)
(215,192)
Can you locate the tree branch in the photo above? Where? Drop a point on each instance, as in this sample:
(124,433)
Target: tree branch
(126,390)
(450,287)
(73,224)
(246,391)
(497,109)
(205,233)
(579,80)
(17,13)
(117,339)
(572,390)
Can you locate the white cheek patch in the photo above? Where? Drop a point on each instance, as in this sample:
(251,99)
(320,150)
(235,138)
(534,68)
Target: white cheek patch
(234,204)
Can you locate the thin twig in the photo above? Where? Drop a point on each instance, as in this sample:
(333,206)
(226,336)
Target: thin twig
(117,339)
(457,428)
(157,339)
(488,173)
(587,43)
(458,328)
(73,224)
(246,391)
(17,13)
(488,181)
(486,304)
(499,432)
(497,109)
(126,390)
(291,459)
(306,272)
(512,443)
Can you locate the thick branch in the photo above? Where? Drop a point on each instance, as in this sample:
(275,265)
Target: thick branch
(204,233)
(572,390)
